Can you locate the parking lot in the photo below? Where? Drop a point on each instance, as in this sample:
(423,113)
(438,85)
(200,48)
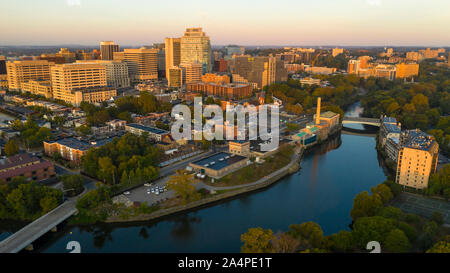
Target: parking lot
(412,203)
(141,194)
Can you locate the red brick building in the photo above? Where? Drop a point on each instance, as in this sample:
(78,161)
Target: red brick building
(30,167)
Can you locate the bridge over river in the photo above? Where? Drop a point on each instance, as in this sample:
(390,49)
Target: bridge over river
(27,235)
(360,120)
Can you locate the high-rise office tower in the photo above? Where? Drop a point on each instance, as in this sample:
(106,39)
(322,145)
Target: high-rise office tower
(2,65)
(142,63)
(107,49)
(173,54)
(192,72)
(196,48)
(19,72)
(175,76)
(77,82)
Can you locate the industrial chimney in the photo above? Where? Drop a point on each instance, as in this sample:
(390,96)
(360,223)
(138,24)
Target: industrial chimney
(319,100)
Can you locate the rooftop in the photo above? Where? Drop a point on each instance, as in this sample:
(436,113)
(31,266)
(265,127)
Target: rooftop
(219,161)
(152,130)
(328,114)
(391,128)
(390,120)
(417,139)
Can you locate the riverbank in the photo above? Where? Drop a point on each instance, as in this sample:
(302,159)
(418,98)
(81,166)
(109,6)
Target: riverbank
(265,182)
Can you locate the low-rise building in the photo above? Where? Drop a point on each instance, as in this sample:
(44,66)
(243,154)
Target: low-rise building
(71,149)
(30,167)
(220,164)
(154,133)
(38,87)
(239,147)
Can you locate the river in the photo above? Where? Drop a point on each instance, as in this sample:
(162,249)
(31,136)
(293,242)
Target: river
(322,191)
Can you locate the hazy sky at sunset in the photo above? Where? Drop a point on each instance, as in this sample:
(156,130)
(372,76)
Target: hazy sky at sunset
(244,22)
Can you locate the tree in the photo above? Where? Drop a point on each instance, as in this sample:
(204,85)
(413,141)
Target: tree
(184,186)
(73,184)
(285,243)
(365,205)
(383,191)
(442,246)
(396,241)
(342,241)
(106,170)
(367,229)
(257,240)
(11,147)
(310,234)
(437,217)
(391,212)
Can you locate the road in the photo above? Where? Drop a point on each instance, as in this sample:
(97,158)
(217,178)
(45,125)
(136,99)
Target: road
(37,228)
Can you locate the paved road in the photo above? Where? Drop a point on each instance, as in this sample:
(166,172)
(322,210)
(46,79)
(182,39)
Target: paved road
(37,228)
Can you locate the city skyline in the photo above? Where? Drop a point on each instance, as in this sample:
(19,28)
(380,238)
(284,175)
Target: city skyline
(284,22)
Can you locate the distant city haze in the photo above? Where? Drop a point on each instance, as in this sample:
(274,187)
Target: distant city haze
(243,22)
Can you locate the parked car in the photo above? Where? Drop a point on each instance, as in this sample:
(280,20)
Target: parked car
(127,193)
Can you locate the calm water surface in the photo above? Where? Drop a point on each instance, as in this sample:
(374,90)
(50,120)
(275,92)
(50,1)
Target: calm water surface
(322,191)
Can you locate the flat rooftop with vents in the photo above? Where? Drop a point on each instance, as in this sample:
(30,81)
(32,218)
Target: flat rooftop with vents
(220,164)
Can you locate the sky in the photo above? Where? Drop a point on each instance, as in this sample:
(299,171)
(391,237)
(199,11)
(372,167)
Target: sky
(242,22)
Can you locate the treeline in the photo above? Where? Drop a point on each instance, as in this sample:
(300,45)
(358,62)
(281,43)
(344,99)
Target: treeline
(23,200)
(439,183)
(144,104)
(424,105)
(373,220)
(299,98)
(129,160)
(31,135)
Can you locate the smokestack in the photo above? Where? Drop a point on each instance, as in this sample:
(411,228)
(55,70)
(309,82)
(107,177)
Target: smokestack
(319,100)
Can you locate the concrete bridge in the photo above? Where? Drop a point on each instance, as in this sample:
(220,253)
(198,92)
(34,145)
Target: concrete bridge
(358,120)
(27,235)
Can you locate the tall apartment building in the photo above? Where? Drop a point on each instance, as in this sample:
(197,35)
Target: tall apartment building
(429,53)
(107,49)
(19,72)
(192,72)
(407,70)
(175,76)
(142,63)
(173,54)
(417,159)
(79,82)
(353,66)
(196,48)
(414,56)
(262,70)
(385,71)
(116,73)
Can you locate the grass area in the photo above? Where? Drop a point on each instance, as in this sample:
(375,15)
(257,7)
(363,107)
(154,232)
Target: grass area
(106,210)
(254,172)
